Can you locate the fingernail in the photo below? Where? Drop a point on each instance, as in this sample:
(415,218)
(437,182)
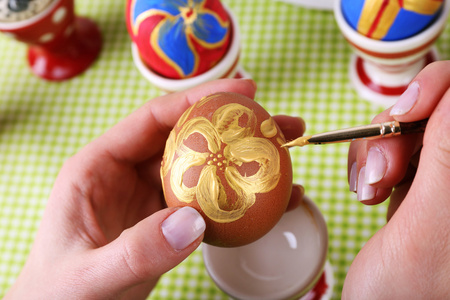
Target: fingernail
(302,121)
(299,189)
(376,165)
(251,81)
(365,191)
(183,227)
(407,100)
(353,176)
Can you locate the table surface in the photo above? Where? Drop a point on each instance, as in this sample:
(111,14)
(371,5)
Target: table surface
(299,61)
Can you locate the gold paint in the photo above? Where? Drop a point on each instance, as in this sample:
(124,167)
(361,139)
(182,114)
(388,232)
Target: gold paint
(206,99)
(200,7)
(301,141)
(371,10)
(281,141)
(189,14)
(238,145)
(268,128)
(145,15)
(226,122)
(185,116)
(422,7)
(169,153)
(155,46)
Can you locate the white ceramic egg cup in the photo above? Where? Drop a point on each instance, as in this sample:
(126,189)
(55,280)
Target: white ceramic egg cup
(289,262)
(227,67)
(313,4)
(381,70)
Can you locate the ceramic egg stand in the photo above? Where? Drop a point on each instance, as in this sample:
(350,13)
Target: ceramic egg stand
(381,70)
(289,262)
(60,44)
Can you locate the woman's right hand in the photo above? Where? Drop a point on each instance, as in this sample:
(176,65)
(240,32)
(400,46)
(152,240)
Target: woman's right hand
(409,258)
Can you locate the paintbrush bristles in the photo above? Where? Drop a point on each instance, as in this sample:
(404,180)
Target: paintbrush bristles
(301,141)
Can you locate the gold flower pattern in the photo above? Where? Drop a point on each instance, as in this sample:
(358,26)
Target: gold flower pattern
(230,145)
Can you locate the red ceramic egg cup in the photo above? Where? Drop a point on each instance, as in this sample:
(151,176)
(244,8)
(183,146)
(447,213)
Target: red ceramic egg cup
(60,44)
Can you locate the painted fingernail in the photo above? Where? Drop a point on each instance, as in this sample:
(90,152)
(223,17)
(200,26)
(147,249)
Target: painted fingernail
(183,227)
(407,100)
(376,165)
(353,177)
(365,191)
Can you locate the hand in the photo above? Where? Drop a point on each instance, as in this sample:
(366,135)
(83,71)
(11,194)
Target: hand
(105,233)
(409,258)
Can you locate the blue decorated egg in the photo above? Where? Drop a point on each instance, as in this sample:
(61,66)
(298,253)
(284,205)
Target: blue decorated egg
(390,20)
(179,38)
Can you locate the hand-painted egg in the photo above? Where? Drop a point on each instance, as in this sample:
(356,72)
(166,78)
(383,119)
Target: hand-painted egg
(19,10)
(390,20)
(224,158)
(179,38)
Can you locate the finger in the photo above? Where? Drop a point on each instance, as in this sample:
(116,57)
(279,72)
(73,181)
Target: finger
(357,173)
(376,166)
(144,133)
(292,127)
(379,166)
(297,194)
(387,159)
(144,252)
(423,94)
(352,164)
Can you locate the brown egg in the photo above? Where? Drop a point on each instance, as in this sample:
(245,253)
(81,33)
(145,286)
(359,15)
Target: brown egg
(224,158)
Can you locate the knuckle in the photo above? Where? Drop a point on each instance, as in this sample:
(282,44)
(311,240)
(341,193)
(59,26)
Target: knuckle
(135,260)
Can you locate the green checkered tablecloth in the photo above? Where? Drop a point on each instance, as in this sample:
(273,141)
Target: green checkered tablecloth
(299,60)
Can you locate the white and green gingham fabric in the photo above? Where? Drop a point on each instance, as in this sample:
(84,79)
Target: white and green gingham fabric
(299,60)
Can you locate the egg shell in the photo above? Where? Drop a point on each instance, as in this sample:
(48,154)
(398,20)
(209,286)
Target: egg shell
(179,39)
(235,143)
(390,20)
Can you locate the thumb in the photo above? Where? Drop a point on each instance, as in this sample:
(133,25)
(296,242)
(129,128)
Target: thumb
(142,253)
(433,173)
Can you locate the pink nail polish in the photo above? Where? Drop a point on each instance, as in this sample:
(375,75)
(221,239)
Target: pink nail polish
(365,191)
(407,100)
(376,166)
(183,227)
(353,178)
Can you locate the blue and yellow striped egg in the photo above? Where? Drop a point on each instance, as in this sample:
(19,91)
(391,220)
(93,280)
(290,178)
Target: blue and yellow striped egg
(390,20)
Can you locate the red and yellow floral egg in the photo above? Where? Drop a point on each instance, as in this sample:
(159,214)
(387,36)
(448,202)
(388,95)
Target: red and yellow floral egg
(179,38)
(224,158)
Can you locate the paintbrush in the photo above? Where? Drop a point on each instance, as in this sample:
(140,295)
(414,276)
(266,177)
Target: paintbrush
(367,132)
